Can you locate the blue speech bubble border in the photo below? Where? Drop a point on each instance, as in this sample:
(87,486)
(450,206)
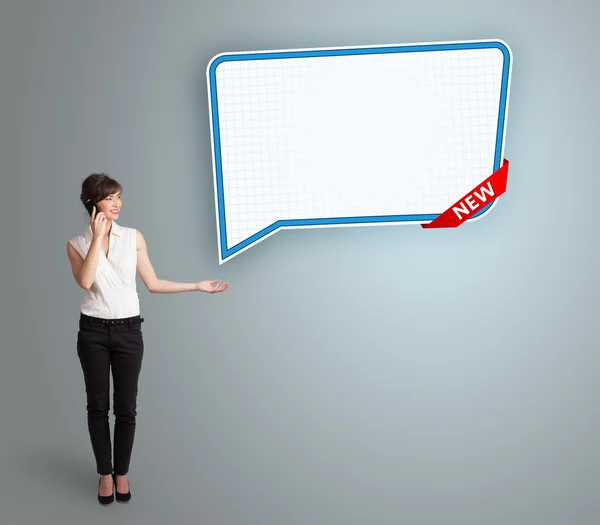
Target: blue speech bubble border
(227,252)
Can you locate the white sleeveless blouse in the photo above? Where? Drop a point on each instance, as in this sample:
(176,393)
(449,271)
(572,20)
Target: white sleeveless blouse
(113,294)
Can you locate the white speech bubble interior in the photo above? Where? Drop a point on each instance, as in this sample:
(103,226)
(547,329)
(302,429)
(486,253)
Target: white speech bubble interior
(352,136)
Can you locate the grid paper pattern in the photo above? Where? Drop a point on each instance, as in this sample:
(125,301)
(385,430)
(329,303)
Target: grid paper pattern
(355,135)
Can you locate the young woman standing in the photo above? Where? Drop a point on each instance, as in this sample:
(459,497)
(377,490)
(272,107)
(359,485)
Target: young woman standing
(104,261)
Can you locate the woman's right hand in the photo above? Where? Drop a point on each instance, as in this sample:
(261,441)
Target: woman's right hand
(98,223)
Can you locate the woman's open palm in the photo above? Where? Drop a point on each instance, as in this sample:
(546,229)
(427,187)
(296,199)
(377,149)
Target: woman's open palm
(212,286)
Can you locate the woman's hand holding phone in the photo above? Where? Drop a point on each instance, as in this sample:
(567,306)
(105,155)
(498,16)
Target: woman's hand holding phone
(98,222)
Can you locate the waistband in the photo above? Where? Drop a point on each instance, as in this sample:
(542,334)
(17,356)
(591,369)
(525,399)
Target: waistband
(123,320)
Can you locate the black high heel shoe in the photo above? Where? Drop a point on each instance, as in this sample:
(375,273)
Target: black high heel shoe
(105,501)
(120,496)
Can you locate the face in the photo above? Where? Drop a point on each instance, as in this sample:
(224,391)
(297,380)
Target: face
(111,206)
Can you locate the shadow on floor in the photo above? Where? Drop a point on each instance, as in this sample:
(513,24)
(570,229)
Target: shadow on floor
(70,474)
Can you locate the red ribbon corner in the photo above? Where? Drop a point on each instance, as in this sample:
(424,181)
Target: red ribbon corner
(482,195)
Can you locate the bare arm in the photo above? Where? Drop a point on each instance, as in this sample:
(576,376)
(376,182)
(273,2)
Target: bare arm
(156,285)
(84,270)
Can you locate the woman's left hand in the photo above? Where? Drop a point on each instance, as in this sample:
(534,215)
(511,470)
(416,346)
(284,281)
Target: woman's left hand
(211,286)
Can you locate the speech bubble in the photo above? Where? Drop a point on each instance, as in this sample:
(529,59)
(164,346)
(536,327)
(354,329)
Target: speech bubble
(352,136)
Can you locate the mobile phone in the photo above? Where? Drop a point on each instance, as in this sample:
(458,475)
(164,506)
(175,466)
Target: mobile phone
(93,204)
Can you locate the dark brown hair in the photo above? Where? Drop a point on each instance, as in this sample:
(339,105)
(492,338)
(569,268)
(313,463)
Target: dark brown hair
(96,187)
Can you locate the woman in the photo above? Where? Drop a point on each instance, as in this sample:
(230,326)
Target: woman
(104,261)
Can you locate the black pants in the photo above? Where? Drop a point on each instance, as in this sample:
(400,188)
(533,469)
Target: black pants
(102,345)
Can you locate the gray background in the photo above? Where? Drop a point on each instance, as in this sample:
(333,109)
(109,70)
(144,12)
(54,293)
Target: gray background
(383,375)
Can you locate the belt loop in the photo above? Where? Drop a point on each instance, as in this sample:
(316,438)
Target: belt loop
(129,323)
